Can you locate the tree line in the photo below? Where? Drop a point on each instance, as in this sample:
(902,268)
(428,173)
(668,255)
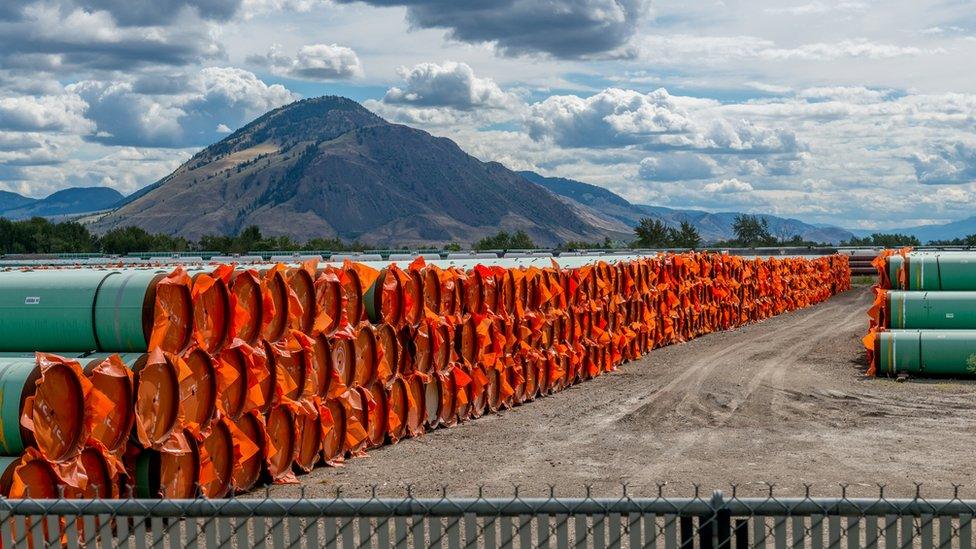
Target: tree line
(40,236)
(751,231)
(895,240)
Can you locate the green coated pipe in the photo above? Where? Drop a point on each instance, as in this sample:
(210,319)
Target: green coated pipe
(937,271)
(32,354)
(159,475)
(6,462)
(147,475)
(931,310)
(7,466)
(17,382)
(123,310)
(927,352)
(48,309)
(373,298)
(77,310)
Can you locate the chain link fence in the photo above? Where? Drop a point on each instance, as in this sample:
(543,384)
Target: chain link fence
(717,522)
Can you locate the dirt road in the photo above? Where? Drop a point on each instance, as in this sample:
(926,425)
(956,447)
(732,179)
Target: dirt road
(783,401)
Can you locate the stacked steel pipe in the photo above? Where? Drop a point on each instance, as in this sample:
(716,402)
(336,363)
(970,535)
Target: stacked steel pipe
(923,319)
(211,382)
(861,261)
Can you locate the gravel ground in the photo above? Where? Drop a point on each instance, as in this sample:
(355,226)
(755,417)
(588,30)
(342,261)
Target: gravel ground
(784,401)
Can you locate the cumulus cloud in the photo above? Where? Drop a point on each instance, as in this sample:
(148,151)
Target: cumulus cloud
(656,120)
(448,94)
(676,167)
(566,29)
(447,85)
(950,164)
(313,62)
(612,117)
(155,12)
(728,186)
(30,149)
(44,113)
(215,96)
(62,37)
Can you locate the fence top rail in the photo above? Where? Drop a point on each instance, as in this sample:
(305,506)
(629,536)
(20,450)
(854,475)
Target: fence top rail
(381,507)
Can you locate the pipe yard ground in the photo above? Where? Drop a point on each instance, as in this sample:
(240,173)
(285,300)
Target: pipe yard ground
(783,401)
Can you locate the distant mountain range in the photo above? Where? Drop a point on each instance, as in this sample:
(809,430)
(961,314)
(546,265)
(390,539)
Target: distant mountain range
(71,201)
(927,233)
(711,226)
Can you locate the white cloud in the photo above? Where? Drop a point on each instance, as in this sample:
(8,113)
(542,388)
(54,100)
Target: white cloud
(63,112)
(252,8)
(613,117)
(656,120)
(816,8)
(448,94)
(674,49)
(448,84)
(676,167)
(728,186)
(212,97)
(64,37)
(849,94)
(948,164)
(322,62)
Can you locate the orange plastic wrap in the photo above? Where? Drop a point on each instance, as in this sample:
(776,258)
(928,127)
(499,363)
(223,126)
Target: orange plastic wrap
(62,411)
(320,383)
(172,327)
(113,387)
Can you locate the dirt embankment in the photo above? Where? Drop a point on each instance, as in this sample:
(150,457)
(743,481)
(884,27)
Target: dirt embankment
(783,401)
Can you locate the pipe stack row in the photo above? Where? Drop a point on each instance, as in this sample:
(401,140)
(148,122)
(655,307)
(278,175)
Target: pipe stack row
(923,319)
(861,261)
(211,382)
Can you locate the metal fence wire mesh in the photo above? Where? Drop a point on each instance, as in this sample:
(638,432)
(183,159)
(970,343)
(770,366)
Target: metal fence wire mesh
(699,522)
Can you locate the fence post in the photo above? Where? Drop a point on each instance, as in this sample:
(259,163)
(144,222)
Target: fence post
(722,532)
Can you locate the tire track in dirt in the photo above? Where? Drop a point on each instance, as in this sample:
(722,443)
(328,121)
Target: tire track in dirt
(772,371)
(650,400)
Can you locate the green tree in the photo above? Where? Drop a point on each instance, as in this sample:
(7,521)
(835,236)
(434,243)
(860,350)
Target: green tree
(520,241)
(896,240)
(686,236)
(968,240)
(125,240)
(506,241)
(752,230)
(652,233)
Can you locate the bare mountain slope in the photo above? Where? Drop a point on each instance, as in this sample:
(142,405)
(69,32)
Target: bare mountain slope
(328,167)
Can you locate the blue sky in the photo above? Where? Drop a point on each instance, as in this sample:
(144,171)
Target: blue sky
(854,113)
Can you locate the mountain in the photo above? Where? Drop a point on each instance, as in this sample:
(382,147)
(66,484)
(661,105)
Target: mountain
(327,167)
(711,226)
(9,201)
(598,200)
(927,233)
(74,200)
